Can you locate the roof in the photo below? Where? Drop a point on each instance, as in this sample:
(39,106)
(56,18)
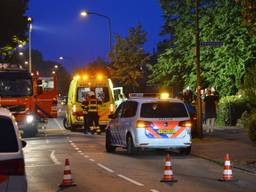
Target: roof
(153,99)
(5,112)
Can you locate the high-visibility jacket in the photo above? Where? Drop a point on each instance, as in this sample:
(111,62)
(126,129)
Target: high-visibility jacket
(93,105)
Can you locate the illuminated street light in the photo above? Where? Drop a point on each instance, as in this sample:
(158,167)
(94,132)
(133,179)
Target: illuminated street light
(85,14)
(20,46)
(53,72)
(56,66)
(21,53)
(61,58)
(26,62)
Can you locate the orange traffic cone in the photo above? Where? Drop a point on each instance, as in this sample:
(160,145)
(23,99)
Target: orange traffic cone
(227,173)
(67,178)
(168,173)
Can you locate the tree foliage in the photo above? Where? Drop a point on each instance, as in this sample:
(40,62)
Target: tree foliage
(13,25)
(97,66)
(221,67)
(128,59)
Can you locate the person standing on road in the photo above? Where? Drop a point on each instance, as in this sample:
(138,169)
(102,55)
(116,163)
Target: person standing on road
(210,110)
(92,117)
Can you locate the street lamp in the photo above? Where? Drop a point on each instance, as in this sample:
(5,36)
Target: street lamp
(29,47)
(85,14)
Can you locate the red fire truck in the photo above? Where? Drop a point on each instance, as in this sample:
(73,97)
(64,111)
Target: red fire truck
(30,98)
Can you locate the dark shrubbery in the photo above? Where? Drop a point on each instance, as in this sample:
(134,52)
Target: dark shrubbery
(249,122)
(230,109)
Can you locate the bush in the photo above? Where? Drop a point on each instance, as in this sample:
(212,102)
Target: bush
(230,109)
(249,122)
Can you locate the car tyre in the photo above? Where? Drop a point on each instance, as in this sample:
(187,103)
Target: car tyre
(185,151)
(131,149)
(65,123)
(109,148)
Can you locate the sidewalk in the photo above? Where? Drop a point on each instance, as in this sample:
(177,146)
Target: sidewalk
(230,140)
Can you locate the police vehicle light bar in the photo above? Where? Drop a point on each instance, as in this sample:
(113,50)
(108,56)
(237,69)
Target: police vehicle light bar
(163,95)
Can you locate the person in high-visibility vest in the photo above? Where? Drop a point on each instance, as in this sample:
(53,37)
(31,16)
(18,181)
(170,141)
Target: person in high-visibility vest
(92,117)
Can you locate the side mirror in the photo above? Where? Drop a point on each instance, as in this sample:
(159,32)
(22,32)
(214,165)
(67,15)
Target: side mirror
(112,116)
(24,143)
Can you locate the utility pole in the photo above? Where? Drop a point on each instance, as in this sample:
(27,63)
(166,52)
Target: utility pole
(198,75)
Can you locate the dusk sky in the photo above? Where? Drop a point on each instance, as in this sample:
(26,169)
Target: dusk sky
(58,29)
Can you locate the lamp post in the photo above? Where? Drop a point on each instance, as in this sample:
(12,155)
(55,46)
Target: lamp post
(29,46)
(85,14)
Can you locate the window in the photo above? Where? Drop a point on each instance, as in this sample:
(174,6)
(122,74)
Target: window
(8,139)
(119,110)
(101,93)
(15,87)
(130,109)
(163,110)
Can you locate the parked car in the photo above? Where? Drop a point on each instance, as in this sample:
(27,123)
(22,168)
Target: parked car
(12,166)
(150,123)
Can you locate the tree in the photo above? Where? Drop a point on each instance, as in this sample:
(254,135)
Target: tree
(96,66)
(13,25)
(128,59)
(222,67)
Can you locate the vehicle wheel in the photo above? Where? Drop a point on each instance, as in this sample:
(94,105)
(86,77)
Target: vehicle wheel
(109,147)
(130,146)
(30,132)
(65,123)
(185,151)
(102,128)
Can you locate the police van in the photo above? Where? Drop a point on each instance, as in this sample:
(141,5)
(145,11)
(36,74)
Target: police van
(80,87)
(150,122)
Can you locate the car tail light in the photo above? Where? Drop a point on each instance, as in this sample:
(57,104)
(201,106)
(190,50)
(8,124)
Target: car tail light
(185,124)
(12,167)
(143,124)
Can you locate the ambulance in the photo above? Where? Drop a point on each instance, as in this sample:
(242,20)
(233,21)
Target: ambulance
(80,87)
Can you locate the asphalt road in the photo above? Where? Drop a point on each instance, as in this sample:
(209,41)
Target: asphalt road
(94,170)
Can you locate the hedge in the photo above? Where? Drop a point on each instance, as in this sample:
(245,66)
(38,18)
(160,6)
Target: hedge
(230,109)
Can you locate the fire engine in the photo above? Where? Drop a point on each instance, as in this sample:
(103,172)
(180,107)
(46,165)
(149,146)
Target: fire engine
(30,98)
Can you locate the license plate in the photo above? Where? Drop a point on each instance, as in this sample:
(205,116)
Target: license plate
(166,131)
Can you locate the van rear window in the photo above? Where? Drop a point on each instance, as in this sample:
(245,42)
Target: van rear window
(101,93)
(8,139)
(163,110)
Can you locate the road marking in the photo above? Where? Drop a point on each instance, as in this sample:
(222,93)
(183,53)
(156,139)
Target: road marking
(70,141)
(76,148)
(86,156)
(153,190)
(106,168)
(80,151)
(47,141)
(32,166)
(92,160)
(54,159)
(130,180)
(59,125)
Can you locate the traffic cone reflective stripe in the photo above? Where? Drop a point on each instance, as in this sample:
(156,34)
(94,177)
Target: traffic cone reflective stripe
(67,177)
(227,173)
(168,173)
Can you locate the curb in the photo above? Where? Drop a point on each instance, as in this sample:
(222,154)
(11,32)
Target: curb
(221,163)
